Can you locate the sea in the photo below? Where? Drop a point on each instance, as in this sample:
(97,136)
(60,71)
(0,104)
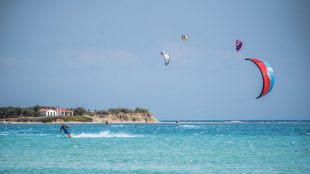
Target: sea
(202,147)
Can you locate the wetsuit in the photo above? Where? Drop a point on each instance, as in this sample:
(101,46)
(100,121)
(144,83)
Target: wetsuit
(65,128)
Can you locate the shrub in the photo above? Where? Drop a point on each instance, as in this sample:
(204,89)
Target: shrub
(67,119)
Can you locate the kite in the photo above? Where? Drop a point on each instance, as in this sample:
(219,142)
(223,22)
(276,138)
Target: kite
(166,57)
(184,37)
(238,44)
(267,75)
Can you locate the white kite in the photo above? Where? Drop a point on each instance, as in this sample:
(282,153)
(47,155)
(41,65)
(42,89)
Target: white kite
(166,57)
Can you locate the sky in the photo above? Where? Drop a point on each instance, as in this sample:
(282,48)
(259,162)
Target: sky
(104,54)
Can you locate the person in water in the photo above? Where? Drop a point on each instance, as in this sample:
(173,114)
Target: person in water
(106,122)
(64,128)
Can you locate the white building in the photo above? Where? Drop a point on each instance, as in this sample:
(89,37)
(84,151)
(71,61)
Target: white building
(64,112)
(47,112)
(57,112)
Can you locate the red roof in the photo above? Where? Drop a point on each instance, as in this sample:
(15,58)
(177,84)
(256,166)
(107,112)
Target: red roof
(63,110)
(57,110)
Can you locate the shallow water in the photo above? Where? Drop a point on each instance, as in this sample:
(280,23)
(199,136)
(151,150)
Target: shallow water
(212,147)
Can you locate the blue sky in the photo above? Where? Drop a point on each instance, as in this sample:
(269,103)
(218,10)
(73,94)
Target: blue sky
(102,54)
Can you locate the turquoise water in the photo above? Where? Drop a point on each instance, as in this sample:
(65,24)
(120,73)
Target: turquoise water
(211,147)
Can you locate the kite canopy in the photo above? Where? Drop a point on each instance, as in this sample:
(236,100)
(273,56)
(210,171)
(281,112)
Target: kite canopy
(184,37)
(267,74)
(166,57)
(238,44)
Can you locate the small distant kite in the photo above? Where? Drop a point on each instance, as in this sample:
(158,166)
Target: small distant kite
(267,74)
(166,57)
(184,37)
(238,44)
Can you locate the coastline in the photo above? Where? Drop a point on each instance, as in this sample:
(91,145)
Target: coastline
(80,119)
(74,122)
(166,122)
(116,123)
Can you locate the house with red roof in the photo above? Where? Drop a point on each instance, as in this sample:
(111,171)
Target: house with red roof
(64,112)
(55,112)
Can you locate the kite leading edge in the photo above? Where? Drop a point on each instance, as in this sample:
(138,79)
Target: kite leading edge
(267,75)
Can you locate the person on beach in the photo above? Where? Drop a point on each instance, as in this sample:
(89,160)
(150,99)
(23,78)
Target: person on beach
(64,128)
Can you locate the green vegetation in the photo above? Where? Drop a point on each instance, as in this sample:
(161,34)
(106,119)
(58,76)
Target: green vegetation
(80,118)
(50,119)
(13,112)
(17,112)
(123,110)
(32,114)
(80,111)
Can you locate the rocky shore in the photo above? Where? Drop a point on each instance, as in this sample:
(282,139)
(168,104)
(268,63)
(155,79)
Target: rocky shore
(126,117)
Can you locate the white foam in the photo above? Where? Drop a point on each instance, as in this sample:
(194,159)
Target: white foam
(188,126)
(234,121)
(117,125)
(105,134)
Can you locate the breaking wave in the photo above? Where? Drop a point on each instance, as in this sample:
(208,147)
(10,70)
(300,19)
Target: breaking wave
(188,126)
(105,134)
(234,122)
(120,125)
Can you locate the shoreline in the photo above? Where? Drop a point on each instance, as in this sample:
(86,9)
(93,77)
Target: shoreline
(82,119)
(170,122)
(115,123)
(82,123)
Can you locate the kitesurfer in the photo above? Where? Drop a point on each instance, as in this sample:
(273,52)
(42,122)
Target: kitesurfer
(64,128)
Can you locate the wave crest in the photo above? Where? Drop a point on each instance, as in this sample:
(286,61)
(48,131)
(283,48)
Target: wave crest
(234,122)
(188,126)
(105,134)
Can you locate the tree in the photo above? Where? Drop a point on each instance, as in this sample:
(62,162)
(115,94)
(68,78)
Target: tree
(36,108)
(79,111)
(141,110)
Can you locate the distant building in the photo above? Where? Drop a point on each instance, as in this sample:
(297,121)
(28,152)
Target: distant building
(64,112)
(47,112)
(55,112)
